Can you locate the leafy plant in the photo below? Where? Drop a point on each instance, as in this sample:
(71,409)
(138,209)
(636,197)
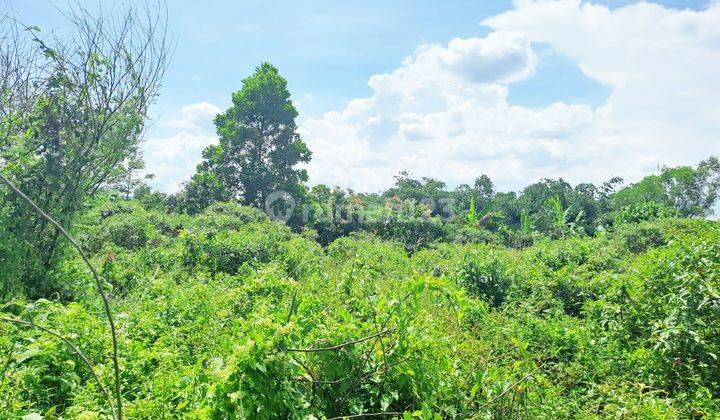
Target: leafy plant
(471,216)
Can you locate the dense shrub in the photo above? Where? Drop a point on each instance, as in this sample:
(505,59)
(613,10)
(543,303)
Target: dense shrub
(517,239)
(414,233)
(642,212)
(677,312)
(485,275)
(253,244)
(214,308)
(464,234)
(640,238)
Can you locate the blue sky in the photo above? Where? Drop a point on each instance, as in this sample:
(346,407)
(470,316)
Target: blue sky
(330,50)
(327,49)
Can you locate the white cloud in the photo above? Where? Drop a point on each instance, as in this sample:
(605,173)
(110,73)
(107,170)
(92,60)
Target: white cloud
(173,159)
(444,111)
(193,118)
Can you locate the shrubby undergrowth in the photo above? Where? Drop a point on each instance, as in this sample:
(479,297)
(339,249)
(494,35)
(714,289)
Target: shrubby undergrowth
(226,314)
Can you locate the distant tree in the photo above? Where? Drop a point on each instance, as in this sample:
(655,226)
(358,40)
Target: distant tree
(429,191)
(508,205)
(691,192)
(203,189)
(481,192)
(586,206)
(130,176)
(535,196)
(462,196)
(150,199)
(259,146)
(484,191)
(609,187)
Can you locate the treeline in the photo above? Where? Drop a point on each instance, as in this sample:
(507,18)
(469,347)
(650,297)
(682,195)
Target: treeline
(73,111)
(419,211)
(259,148)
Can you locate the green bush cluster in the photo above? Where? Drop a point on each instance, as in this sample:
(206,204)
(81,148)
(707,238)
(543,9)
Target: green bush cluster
(226,314)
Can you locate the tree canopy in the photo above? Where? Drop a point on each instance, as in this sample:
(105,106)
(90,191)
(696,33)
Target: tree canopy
(259,146)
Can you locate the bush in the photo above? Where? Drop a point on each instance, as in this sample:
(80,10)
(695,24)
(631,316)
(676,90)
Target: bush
(245,214)
(677,310)
(226,216)
(252,245)
(643,212)
(464,234)
(487,276)
(638,239)
(517,239)
(414,233)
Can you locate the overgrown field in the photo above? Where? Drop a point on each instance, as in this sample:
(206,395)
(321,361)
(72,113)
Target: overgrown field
(226,314)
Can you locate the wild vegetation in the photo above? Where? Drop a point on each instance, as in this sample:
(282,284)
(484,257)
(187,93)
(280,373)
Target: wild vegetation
(249,294)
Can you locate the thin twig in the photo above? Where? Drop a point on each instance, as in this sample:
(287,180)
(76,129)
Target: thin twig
(347,378)
(74,348)
(383,326)
(335,382)
(292,306)
(98,283)
(339,346)
(508,389)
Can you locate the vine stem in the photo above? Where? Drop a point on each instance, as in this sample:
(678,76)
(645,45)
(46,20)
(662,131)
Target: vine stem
(339,346)
(98,283)
(74,348)
(508,389)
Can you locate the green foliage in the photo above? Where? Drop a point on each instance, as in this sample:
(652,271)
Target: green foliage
(472,216)
(428,192)
(559,301)
(689,191)
(258,150)
(670,308)
(486,276)
(526,225)
(203,189)
(76,128)
(641,212)
(639,238)
(254,244)
(215,307)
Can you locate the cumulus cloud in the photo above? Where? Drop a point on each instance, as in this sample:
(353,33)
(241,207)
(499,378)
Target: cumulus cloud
(172,159)
(444,111)
(193,118)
